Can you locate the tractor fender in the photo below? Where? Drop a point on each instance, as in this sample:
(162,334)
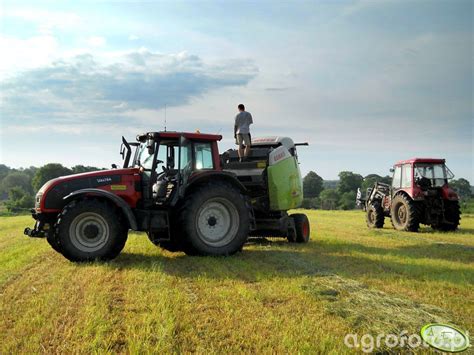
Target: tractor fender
(402,192)
(216,175)
(127,211)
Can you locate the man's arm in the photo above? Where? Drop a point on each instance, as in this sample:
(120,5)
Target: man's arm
(235,127)
(251,119)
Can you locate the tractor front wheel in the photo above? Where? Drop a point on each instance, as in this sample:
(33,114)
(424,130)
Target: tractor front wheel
(375,217)
(215,220)
(53,241)
(404,214)
(90,230)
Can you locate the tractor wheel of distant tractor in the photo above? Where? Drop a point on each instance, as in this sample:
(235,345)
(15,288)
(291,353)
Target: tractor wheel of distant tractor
(375,217)
(91,230)
(302,227)
(404,214)
(214,220)
(452,216)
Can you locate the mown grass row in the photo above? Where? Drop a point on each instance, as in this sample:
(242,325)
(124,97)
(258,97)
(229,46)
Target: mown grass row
(273,296)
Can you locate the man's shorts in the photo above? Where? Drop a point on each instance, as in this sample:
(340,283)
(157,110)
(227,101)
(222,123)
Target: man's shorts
(243,138)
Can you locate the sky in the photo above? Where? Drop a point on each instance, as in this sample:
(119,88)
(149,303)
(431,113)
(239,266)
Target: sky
(366,83)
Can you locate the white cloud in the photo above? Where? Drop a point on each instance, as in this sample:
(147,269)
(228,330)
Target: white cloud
(83,90)
(47,21)
(133,37)
(17,54)
(96,41)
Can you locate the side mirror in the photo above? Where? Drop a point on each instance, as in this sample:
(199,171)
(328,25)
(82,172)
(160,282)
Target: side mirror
(392,170)
(114,166)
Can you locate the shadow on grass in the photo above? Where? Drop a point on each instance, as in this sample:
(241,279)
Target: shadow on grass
(272,260)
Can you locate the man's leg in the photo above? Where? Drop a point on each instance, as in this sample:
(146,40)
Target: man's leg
(247,151)
(240,143)
(247,145)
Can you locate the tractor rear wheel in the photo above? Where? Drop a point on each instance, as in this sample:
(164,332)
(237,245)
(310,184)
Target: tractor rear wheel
(90,230)
(302,226)
(404,214)
(452,216)
(215,220)
(375,217)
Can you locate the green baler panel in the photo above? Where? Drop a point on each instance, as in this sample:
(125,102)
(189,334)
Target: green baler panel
(285,185)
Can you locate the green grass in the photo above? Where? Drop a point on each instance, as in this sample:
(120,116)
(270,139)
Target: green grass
(272,297)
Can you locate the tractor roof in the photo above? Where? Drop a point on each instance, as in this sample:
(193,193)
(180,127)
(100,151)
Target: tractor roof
(173,134)
(421,160)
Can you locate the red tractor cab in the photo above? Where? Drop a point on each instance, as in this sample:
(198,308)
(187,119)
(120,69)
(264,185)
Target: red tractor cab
(419,194)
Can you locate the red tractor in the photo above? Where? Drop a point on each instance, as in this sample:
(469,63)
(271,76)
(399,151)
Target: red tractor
(181,192)
(419,194)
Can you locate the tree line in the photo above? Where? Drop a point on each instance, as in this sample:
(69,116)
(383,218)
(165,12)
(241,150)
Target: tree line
(19,186)
(341,194)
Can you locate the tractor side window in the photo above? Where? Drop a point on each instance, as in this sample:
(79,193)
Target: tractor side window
(397,174)
(203,154)
(406,175)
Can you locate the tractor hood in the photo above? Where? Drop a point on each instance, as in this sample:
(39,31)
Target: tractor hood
(50,195)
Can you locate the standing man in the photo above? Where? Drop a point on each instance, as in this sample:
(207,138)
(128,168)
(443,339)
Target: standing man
(243,120)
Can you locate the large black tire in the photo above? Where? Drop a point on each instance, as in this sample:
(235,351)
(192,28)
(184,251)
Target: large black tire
(214,220)
(452,215)
(53,241)
(302,226)
(91,230)
(374,216)
(404,214)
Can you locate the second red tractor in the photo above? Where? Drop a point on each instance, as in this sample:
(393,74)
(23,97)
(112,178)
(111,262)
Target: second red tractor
(419,194)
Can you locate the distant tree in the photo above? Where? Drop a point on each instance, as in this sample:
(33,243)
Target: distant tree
(329,199)
(311,203)
(349,182)
(4,170)
(312,185)
(462,187)
(330,184)
(347,201)
(83,169)
(19,199)
(15,179)
(31,171)
(48,172)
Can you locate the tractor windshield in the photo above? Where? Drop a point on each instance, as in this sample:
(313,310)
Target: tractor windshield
(438,174)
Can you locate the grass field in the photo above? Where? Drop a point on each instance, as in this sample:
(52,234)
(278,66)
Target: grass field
(272,297)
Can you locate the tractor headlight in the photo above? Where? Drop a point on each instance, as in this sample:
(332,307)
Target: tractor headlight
(38,198)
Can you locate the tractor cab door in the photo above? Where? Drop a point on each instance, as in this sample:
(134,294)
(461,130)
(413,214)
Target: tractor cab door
(185,165)
(396,179)
(402,178)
